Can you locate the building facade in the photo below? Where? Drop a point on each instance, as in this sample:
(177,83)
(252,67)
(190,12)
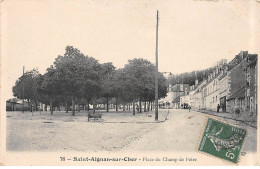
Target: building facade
(172,100)
(251,85)
(223,88)
(198,95)
(16,105)
(211,96)
(228,87)
(236,82)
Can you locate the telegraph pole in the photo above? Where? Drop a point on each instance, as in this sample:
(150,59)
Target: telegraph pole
(156,73)
(23,90)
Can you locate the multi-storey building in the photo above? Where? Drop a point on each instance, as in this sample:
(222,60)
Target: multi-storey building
(198,95)
(223,87)
(251,84)
(211,90)
(179,90)
(185,101)
(236,82)
(191,102)
(230,85)
(193,98)
(172,100)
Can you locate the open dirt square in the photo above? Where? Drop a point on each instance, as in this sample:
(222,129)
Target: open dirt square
(178,130)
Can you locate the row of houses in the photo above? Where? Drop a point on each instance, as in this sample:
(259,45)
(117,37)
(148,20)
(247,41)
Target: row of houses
(16,105)
(229,86)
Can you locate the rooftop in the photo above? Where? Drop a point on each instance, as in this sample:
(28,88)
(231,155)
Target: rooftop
(178,88)
(238,94)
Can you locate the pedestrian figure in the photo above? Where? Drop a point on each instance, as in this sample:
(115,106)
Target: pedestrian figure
(137,108)
(189,108)
(218,108)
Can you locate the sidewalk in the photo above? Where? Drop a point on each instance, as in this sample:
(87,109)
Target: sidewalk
(244,117)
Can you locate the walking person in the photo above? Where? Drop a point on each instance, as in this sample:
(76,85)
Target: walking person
(218,107)
(137,108)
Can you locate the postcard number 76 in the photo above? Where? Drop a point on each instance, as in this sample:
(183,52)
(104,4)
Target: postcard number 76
(62,158)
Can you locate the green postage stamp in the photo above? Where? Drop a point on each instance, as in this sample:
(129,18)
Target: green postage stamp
(222,140)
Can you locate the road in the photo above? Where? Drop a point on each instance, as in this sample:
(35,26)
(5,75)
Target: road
(181,132)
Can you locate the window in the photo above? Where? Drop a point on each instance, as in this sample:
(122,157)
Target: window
(213,99)
(216,98)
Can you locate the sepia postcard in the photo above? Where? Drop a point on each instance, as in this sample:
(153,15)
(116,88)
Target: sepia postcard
(129,83)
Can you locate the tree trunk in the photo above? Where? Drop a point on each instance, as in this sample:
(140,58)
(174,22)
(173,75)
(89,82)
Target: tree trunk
(73,106)
(94,105)
(107,105)
(116,105)
(88,106)
(78,107)
(133,108)
(148,107)
(41,108)
(51,107)
(36,105)
(140,105)
(151,106)
(45,107)
(30,105)
(144,105)
(66,106)
(124,107)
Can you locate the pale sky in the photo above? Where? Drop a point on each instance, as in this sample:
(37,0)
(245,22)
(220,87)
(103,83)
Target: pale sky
(193,34)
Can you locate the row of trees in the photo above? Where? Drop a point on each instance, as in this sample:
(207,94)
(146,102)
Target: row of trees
(75,78)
